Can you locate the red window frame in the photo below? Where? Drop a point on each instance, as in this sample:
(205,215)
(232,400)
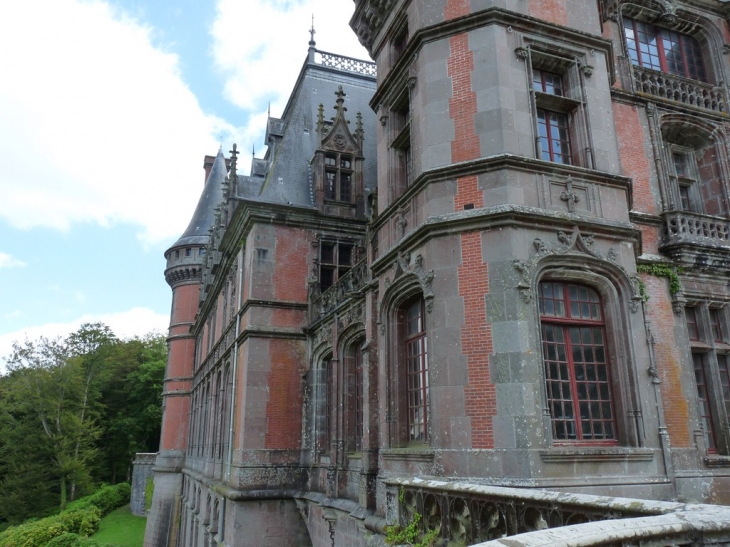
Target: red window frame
(577,365)
(553,127)
(664,50)
(328,404)
(690,315)
(355,397)
(704,405)
(416,351)
(554,132)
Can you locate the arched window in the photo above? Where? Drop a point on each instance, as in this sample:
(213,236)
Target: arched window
(354,394)
(414,371)
(575,355)
(326,404)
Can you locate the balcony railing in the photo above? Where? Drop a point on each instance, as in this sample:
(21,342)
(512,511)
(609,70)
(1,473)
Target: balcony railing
(468,514)
(679,89)
(354,280)
(693,229)
(347,63)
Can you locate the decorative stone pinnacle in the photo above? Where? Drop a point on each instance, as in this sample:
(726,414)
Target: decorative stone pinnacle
(312,43)
(234,153)
(340,95)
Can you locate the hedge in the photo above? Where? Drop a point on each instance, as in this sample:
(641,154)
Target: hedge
(81,518)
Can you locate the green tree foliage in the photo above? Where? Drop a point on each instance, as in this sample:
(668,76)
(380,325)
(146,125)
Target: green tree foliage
(72,414)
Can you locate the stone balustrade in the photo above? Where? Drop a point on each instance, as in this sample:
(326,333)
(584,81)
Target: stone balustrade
(679,89)
(353,281)
(693,229)
(490,516)
(346,63)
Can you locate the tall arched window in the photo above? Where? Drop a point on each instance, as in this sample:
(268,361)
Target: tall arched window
(416,371)
(577,374)
(354,394)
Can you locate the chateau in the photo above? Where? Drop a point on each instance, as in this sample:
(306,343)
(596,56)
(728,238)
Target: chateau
(473,289)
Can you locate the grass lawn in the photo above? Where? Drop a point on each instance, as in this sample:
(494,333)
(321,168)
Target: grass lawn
(122,528)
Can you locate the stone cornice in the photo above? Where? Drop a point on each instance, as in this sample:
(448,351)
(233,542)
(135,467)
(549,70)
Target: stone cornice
(519,22)
(504,216)
(493,163)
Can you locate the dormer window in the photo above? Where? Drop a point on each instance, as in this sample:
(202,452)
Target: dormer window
(665,50)
(338,177)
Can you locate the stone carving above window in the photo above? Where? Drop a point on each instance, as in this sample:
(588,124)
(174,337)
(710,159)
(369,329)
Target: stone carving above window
(574,243)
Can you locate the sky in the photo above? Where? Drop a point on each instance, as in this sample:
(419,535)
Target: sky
(107,108)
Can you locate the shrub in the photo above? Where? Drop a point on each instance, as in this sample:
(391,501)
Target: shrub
(80,518)
(69,539)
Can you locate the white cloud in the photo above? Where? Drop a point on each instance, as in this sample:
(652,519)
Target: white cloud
(97,123)
(134,322)
(262,62)
(8,261)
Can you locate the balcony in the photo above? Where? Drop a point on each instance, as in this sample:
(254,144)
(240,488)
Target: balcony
(352,282)
(684,228)
(467,514)
(676,88)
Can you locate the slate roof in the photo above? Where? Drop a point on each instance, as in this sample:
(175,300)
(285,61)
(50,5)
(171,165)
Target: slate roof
(283,175)
(203,217)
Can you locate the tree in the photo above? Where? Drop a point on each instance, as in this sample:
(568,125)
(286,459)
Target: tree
(49,385)
(90,346)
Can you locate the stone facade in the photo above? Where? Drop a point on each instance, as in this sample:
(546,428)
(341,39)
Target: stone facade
(500,260)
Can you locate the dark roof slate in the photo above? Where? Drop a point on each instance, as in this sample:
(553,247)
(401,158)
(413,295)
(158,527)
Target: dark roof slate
(204,215)
(288,180)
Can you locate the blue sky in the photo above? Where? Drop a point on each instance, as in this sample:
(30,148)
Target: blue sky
(106,111)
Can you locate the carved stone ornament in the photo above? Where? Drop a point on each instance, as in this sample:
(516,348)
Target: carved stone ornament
(521,53)
(353,314)
(574,243)
(587,70)
(324,334)
(679,302)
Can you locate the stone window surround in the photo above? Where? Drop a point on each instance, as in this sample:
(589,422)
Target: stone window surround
(613,294)
(397,404)
(670,127)
(570,63)
(709,348)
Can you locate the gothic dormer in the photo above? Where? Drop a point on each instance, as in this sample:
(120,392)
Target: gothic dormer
(338,163)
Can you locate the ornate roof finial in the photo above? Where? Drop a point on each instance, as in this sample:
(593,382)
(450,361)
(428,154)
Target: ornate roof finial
(340,98)
(312,43)
(233,174)
(268,112)
(253,151)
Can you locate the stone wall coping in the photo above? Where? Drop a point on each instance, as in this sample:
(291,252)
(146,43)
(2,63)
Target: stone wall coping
(602,503)
(703,519)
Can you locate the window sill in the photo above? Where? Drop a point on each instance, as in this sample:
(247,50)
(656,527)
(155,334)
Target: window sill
(411,453)
(596,454)
(716,460)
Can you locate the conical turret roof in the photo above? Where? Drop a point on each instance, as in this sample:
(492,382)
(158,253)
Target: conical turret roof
(197,231)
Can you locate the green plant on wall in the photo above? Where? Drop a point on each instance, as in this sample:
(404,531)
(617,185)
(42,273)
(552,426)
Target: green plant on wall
(660,270)
(410,534)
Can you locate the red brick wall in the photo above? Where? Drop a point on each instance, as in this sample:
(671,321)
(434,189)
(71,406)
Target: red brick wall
(284,407)
(476,341)
(634,163)
(463,103)
(456,8)
(649,239)
(668,360)
(290,276)
(179,365)
(549,10)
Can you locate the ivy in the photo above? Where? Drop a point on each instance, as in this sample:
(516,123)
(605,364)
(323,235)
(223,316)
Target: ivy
(410,534)
(660,270)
